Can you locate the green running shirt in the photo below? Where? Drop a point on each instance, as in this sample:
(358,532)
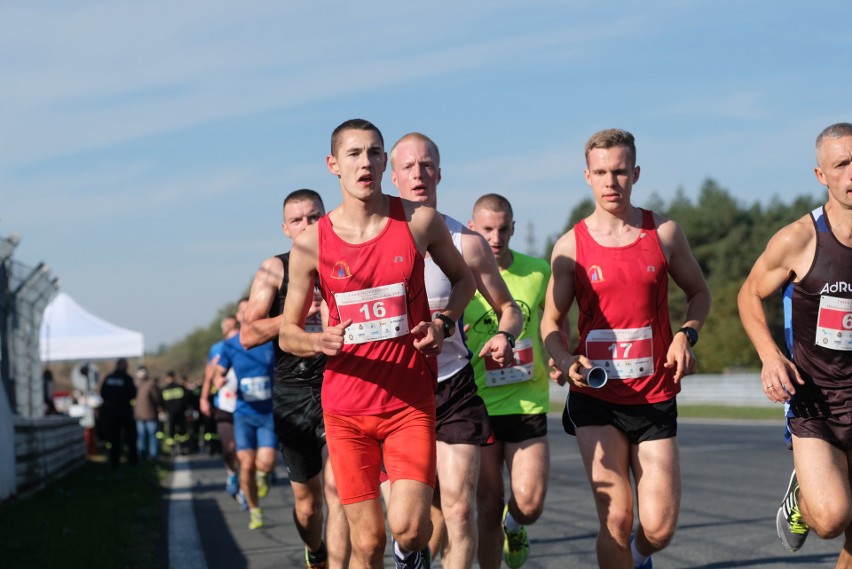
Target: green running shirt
(501,390)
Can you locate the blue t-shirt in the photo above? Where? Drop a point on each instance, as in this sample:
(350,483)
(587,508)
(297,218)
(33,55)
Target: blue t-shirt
(254,369)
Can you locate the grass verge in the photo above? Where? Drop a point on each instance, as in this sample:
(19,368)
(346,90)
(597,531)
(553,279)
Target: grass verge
(711,412)
(730,412)
(93,517)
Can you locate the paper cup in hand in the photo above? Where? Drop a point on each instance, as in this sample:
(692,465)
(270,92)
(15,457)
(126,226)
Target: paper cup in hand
(597,377)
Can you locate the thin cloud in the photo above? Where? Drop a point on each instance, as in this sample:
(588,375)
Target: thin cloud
(749,105)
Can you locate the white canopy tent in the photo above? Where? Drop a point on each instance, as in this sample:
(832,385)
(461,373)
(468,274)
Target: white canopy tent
(69,332)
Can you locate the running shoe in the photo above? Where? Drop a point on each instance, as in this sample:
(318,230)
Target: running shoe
(417,560)
(241,500)
(648,564)
(791,527)
(516,547)
(255,518)
(262,484)
(323,564)
(232,485)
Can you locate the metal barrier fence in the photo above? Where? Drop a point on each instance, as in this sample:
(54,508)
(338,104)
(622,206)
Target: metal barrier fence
(43,447)
(735,389)
(24,293)
(46,448)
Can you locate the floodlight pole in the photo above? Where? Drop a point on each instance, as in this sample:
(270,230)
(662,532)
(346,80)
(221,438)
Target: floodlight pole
(5,310)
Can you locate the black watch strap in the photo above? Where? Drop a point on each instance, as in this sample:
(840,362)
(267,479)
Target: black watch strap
(447,323)
(509,337)
(691,335)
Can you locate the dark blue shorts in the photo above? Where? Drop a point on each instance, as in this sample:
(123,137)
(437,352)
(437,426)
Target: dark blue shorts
(252,432)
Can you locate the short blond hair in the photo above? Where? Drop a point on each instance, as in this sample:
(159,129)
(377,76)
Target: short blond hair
(610,138)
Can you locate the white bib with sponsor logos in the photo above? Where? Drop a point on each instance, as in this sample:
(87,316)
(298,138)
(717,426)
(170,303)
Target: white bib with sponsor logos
(834,323)
(377,313)
(624,354)
(256,388)
(517,370)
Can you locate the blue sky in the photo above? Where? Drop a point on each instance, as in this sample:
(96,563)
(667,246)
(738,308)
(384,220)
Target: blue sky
(145,148)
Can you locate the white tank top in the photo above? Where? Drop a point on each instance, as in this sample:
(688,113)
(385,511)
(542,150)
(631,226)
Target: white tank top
(454,355)
(226,397)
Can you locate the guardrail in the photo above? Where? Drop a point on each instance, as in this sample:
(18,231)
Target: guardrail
(46,448)
(736,389)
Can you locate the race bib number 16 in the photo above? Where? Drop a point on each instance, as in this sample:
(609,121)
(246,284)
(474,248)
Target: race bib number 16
(377,313)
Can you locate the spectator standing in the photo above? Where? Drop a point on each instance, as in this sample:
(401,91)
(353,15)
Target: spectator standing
(145,411)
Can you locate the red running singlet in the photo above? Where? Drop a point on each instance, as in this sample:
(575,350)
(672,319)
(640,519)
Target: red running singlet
(624,323)
(379,284)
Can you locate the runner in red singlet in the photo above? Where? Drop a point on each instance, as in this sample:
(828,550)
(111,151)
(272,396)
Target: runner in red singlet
(378,390)
(616,263)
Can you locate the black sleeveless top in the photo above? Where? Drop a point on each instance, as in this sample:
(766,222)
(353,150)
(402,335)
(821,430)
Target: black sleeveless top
(289,369)
(818,326)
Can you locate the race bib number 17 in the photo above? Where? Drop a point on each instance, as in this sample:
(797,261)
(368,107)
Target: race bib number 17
(834,323)
(624,354)
(377,313)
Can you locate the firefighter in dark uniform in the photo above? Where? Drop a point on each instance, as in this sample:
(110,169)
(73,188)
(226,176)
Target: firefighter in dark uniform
(116,414)
(175,402)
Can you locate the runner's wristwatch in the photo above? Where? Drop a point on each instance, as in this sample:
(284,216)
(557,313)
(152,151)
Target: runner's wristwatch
(691,335)
(448,324)
(509,338)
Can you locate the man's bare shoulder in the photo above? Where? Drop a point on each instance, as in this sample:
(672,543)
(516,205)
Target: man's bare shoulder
(306,244)
(271,267)
(667,228)
(565,246)
(475,249)
(473,243)
(425,223)
(794,238)
(417,211)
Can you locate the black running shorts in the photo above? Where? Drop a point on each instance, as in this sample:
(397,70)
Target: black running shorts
(518,428)
(836,430)
(639,423)
(461,414)
(297,411)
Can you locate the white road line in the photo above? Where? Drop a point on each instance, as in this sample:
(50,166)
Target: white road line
(185,550)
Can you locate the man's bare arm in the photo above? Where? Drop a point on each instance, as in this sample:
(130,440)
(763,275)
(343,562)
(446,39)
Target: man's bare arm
(204,399)
(479,258)
(257,327)
(686,272)
(440,246)
(431,235)
(292,337)
(557,302)
(775,266)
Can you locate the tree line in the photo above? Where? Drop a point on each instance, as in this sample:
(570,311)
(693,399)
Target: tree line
(726,237)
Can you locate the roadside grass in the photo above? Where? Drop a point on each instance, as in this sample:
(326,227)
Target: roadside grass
(730,412)
(93,517)
(99,517)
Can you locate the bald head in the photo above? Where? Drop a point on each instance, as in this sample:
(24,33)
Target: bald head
(416,136)
(493,202)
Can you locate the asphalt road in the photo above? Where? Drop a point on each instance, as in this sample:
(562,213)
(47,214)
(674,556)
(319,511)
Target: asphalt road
(733,479)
